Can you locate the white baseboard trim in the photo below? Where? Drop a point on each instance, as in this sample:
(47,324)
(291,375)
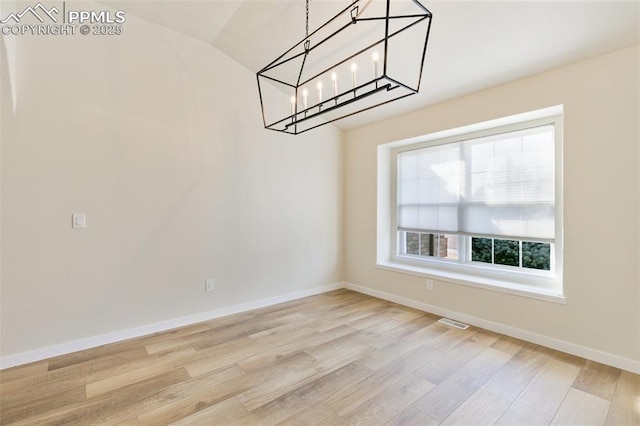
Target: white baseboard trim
(118,336)
(550,342)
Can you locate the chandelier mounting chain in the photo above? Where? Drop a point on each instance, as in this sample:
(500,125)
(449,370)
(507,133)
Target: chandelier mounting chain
(307,21)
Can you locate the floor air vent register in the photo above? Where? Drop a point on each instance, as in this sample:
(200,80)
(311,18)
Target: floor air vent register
(453,323)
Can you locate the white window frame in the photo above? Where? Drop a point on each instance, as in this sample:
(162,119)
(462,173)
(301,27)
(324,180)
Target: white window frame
(546,285)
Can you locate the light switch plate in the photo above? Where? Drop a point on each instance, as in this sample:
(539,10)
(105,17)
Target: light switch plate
(78,220)
(209,284)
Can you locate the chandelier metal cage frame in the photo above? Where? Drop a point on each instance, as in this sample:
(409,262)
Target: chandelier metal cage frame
(284,84)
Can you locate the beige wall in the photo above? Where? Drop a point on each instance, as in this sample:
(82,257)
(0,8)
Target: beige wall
(158,139)
(601,203)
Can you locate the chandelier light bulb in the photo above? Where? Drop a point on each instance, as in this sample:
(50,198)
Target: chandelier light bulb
(319,91)
(375,57)
(334,78)
(305,93)
(354,69)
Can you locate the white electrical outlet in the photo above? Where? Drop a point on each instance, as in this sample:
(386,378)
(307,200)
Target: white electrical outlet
(429,284)
(78,220)
(209,284)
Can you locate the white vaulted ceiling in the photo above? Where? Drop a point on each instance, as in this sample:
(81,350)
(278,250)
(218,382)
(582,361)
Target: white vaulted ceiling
(473,45)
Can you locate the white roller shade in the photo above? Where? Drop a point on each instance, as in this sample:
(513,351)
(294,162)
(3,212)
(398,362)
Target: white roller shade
(501,185)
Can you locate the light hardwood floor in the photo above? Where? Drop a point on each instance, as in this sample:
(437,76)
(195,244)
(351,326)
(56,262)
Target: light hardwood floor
(335,358)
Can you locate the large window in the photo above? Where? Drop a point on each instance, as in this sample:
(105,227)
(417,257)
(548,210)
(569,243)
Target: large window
(485,203)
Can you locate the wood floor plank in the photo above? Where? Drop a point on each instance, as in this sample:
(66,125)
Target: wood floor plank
(453,391)
(222,322)
(451,361)
(598,379)
(220,355)
(517,373)
(352,313)
(382,328)
(79,374)
(398,334)
(326,386)
(391,351)
(278,336)
(390,402)
(269,355)
(318,414)
(120,422)
(353,396)
(412,417)
(217,335)
(574,360)
(181,399)
(107,406)
(74,375)
(625,405)
(300,399)
(88,356)
(481,408)
(509,344)
(449,337)
(376,324)
(229,411)
(275,333)
(408,315)
(159,343)
(42,404)
(223,391)
(539,401)
(309,306)
(118,381)
(231,352)
(581,408)
(262,393)
(23,371)
(178,333)
(356,342)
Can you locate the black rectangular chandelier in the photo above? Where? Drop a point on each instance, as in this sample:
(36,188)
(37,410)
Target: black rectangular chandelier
(369,54)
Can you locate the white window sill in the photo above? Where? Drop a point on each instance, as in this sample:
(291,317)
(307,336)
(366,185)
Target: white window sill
(546,294)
